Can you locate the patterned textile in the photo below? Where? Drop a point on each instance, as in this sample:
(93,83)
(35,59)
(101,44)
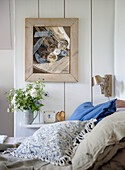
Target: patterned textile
(53,142)
(88,127)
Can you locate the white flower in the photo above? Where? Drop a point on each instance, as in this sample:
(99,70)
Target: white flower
(12,102)
(21,107)
(33,93)
(26,93)
(14,98)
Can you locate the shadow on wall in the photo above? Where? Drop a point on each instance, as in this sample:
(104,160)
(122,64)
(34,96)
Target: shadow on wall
(6,118)
(119,88)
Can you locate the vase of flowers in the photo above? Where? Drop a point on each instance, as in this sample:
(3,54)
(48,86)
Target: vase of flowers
(28,100)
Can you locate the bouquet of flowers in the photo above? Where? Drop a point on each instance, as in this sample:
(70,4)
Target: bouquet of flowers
(29,98)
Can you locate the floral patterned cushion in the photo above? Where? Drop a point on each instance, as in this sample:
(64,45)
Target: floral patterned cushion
(54,142)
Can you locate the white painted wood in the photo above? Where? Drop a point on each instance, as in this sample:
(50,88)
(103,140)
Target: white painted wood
(77,93)
(5,24)
(120,49)
(35,126)
(53,9)
(23,9)
(103,42)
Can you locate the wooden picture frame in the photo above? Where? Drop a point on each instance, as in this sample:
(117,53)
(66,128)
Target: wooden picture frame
(52,34)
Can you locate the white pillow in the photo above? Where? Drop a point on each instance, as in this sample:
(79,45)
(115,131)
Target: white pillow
(120,109)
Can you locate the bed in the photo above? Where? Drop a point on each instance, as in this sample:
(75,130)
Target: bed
(103,148)
(92,139)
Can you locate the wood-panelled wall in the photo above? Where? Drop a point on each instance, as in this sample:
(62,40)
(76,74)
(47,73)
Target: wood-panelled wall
(69,95)
(119,52)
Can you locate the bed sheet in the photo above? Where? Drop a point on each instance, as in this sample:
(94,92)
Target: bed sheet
(8,162)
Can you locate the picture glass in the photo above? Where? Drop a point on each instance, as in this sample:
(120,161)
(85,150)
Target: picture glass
(51,49)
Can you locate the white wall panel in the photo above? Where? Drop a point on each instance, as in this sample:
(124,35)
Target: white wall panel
(23,9)
(103,47)
(77,93)
(103,42)
(53,9)
(120,49)
(29,9)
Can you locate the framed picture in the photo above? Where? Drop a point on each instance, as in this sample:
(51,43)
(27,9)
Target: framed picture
(51,49)
(49,116)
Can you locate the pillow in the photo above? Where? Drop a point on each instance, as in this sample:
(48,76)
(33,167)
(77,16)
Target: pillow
(87,111)
(88,127)
(120,103)
(81,110)
(120,109)
(102,143)
(117,162)
(53,142)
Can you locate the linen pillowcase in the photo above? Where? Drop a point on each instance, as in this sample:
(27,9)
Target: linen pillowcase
(87,111)
(107,134)
(53,142)
(81,110)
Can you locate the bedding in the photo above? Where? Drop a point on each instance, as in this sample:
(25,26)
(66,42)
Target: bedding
(87,111)
(8,162)
(102,143)
(108,154)
(120,103)
(54,143)
(14,140)
(120,109)
(116,163)
(10,142)
(101,148)
(2,138)
(4,147)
